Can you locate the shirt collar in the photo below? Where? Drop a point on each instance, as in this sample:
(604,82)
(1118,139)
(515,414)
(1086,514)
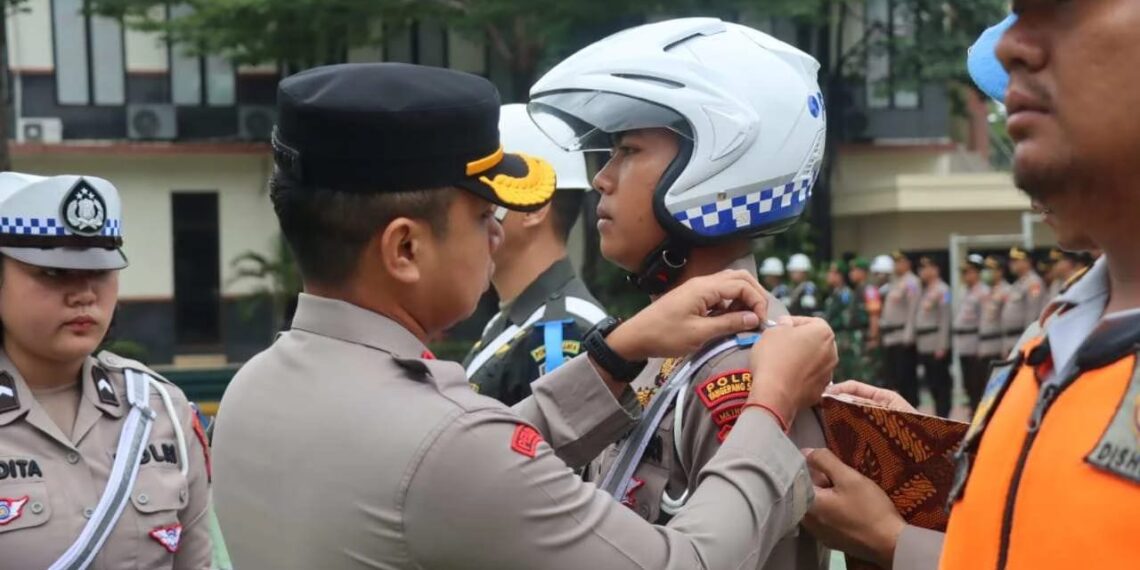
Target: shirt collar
(1092,285)
(349,323)
(544,288)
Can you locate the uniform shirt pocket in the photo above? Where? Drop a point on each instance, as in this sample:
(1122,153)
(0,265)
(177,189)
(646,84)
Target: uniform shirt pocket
(23,505)
(156,499)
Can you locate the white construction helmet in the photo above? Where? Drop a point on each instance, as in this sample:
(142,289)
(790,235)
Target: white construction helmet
(882,264)
(519,134)
(747,109)
(772,267)
(799,262)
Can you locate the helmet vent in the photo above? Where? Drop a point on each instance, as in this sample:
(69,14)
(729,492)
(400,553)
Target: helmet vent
(649,79)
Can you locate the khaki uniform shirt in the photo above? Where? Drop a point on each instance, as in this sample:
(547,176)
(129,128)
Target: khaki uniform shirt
(1023,305)
(968,320)
(932,321)
(62,476)
(673,462)
(989,327)
(896,325)
(342,447)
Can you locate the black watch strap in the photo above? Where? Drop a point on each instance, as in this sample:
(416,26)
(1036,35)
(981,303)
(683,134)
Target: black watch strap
(620,369)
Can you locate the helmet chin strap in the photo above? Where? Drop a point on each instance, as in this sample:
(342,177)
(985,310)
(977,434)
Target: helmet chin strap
(661,268)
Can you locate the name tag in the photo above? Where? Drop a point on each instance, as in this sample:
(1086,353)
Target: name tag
(1118,451)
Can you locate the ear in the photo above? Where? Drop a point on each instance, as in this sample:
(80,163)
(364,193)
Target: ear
(537,217)
(401,248)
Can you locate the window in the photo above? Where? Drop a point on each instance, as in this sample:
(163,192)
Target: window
(197,274)
(887,19)
(424,43)
(90,61)
(195,80)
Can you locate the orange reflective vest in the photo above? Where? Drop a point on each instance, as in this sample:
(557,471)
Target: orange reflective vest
(1055,477)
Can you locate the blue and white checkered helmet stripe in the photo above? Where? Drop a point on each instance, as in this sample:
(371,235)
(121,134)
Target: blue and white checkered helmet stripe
(758,209)
(49,227)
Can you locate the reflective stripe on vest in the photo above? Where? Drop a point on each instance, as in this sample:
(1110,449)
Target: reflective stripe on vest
(1064,512)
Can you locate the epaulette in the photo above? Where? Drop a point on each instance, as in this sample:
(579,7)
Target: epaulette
(1076,277)
(113,361)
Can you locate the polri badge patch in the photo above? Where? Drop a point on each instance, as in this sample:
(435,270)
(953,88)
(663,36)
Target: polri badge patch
(170,537)
(83,210)
(731,385)
(525,440)
(11,509)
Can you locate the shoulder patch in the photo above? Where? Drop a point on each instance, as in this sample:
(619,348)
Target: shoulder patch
(113,361)
(730,385)
(202,439)
(525,440)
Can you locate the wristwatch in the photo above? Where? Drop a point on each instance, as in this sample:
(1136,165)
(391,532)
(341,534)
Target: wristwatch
(596,346)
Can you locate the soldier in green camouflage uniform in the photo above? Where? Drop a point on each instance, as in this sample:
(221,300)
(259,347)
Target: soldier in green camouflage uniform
(837,311)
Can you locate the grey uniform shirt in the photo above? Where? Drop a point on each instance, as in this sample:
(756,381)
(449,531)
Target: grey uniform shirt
(1022,306)
(684,445)
(932,320)
(896,325)
(55,477)
(989,327)
(967,321)
(342,447)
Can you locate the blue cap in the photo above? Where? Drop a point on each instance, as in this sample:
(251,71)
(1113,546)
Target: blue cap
(982,62)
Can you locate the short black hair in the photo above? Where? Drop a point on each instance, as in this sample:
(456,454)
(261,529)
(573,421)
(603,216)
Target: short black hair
(327,230)
(565,209)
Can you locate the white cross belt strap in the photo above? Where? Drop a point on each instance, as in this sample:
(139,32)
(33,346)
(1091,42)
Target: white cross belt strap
(618,478)
(128,456)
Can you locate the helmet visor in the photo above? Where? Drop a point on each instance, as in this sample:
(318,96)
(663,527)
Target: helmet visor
(588,120)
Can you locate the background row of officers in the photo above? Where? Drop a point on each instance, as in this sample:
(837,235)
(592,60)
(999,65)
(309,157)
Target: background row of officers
(890,321)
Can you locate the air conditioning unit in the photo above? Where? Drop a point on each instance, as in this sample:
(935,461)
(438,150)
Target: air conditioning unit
(255,122)
(42,130)
(152,122)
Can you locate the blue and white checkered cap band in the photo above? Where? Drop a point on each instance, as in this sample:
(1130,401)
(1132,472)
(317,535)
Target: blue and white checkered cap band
(49,227)
(748,210)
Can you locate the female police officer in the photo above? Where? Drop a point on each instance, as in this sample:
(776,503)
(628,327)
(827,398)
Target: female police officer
(102,464)
(716,132)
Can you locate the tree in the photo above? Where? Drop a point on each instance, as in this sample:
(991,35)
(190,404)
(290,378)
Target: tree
(277,281)
(7,8)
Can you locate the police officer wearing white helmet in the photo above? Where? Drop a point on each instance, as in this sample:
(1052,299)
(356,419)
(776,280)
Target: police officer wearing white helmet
(545,307)
(803,300)
(772,276)
(102,462)
(717,134)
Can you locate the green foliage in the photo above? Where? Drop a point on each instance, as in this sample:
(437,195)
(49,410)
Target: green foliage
(127,349)
(278,282)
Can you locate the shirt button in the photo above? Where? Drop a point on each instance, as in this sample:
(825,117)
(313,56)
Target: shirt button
(37,508)
(73,458)
(143,498)
(87,513)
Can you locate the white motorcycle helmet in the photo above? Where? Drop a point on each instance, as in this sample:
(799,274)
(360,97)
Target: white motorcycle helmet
(883,264)
(747,109)
(799,262)
(519,134)
(772,267)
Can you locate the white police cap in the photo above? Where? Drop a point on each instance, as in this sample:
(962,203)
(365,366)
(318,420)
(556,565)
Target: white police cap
(65,222)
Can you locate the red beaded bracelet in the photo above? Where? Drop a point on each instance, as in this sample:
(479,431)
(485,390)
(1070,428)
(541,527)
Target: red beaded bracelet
(779,419)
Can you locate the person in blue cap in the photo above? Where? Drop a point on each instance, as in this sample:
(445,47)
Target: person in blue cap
(1048,475)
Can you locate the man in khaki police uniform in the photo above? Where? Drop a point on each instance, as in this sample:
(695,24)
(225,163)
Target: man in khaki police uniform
(346,445)
(546,308)
(1024,301)
(67,417)
(896,329)
(967,323)
(932,335)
